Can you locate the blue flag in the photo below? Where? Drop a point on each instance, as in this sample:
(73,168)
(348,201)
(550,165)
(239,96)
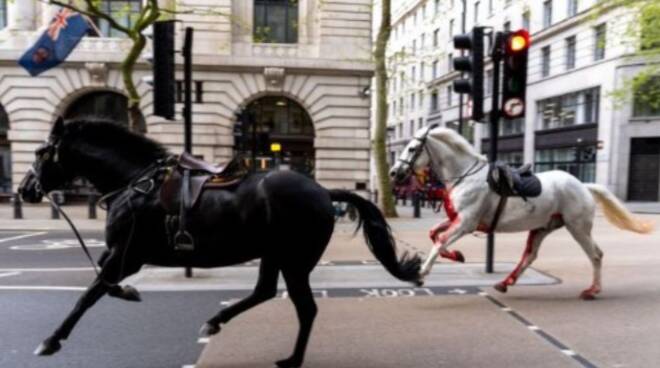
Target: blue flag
(63,34)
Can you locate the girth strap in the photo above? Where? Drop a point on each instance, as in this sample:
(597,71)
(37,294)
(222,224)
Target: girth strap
(498,214)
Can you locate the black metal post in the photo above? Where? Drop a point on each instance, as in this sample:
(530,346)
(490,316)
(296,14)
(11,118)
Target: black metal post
(91,202)
(54,213)
(460,96)
(18,206)
(417,213)
(187,102)
(495,114)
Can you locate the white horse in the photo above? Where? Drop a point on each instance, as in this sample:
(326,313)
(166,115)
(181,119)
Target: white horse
(471,205)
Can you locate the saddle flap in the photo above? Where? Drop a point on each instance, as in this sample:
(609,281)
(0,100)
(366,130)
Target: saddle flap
(513,182)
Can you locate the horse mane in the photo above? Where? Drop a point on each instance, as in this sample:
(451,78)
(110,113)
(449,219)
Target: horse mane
(107,133)
(456,141)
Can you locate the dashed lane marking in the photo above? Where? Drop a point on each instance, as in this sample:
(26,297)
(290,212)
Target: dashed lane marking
(41,288)
(9,274)
(23,236)
(51,269)
(582,361)
(203,340)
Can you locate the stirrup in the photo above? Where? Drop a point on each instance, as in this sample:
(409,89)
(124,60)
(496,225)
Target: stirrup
(183,241)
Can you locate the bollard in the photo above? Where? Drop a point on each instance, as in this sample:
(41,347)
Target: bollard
(416,202)
(18,206)
(91,201)
(54,213)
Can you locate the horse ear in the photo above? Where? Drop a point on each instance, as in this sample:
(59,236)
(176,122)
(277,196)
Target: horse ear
(58,128)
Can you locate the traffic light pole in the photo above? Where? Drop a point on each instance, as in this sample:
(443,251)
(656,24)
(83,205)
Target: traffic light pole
(495,115)
(187,100)
(460,96)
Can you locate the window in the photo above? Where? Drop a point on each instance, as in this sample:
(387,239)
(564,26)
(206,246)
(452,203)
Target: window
(476,12)
(449,95)
(435,101)
(123,11)
(422,42)
(414,47)
(451,29)
(393,108)
(421,100)
(3,14)
(579,161)
(570,53)
(490,7)
(572,8)
(422,71)
(513,158)
(420,123)
(647,98)
(435,69)
(411,128)
(276,21)
(525,20)
(600,40)
(436,37)
(545,57)
(547,14)
(401,106)
(507,3)
(570,109)
(437,6)
(412,101)
(450,63)
(413,73)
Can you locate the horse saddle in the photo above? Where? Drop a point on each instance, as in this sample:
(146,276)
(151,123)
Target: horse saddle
(187,179)
(513,182)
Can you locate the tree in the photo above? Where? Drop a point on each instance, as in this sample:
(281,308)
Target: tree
(643,35)
(149,13)
(385,198)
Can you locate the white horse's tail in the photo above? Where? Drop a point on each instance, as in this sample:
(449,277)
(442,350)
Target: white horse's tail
(616,213)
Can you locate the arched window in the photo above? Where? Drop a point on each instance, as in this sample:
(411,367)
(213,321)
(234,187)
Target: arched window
(5,153)
(276,21)
(277,132)
(125,12)
(104,105)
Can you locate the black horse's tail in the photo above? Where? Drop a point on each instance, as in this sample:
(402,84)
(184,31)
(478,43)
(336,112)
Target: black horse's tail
(379,237)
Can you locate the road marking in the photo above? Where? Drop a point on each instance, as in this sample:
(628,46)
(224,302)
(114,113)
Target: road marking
(50,244)
(582,361)
(189,366)
(62,269)
(203,340)
(18,237)
(43,288)
(9,274)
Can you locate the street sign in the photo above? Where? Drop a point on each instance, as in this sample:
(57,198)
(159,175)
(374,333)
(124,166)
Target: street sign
(514,107)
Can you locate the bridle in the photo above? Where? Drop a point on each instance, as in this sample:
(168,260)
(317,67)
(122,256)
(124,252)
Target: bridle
(422,147)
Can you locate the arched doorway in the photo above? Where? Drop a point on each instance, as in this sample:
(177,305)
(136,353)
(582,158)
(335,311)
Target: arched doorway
(105,105)
(278,133)
(5,153)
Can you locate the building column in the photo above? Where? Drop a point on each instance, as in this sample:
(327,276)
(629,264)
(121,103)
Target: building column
(47,13)
(21,15)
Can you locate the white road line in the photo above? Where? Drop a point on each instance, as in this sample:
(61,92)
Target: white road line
(9,274)
(534,328)
(189,366)
(569,352)
(22,236)
(63,269)
(506,309)
(203,340)
(42,288)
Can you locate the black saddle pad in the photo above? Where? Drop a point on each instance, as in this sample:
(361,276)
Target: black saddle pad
(514,182)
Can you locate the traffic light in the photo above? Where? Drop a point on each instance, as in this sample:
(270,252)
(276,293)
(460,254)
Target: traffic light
(164,66)
(473,63)
(515,74)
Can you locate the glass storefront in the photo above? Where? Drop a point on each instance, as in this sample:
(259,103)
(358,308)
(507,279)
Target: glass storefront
(569,109)
(579,161)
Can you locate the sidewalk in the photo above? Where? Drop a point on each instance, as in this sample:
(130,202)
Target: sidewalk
(38,217)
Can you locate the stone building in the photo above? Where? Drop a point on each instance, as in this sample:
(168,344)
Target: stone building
(302,65)
(577,59)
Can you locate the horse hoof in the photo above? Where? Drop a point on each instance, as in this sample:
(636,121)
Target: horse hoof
(48,347)
(588,295)
(458,257)
(209,330)
(289,363)
(501,287)
(419,282)
(127,293)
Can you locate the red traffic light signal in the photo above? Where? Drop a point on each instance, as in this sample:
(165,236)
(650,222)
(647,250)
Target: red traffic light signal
(514,85)
(518,41)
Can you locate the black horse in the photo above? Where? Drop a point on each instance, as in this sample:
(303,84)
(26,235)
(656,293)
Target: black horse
(283,218)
